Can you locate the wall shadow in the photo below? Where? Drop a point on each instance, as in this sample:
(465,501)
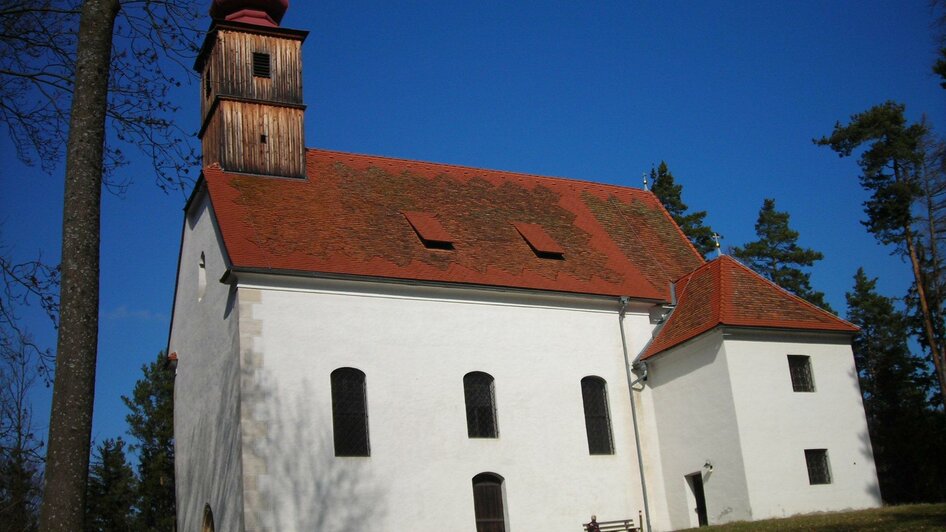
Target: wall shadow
(305,486)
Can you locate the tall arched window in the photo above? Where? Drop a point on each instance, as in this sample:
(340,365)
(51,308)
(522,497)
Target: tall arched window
(488,503)
(350,413)
(594,395)
(480,405)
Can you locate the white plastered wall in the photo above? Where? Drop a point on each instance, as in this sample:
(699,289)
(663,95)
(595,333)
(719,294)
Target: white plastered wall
(688,390)
(415,345)
(206,388)
(778,424)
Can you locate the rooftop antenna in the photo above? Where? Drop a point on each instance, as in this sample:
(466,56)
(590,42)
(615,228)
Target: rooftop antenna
(644,176)
(716,238)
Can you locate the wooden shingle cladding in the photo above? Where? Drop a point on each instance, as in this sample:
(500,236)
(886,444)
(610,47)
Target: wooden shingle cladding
(234,133)
(251,123)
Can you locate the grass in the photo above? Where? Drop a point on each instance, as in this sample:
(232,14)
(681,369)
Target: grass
(913,517)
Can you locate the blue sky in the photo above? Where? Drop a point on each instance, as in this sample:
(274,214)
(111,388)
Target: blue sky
(729,94)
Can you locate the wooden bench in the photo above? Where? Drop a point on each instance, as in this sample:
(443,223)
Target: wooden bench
(621,525)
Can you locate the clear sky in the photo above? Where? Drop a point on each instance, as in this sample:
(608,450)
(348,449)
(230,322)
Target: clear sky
(729,94)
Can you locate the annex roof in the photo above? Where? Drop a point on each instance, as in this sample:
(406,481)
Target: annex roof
(353,215)
(725,292)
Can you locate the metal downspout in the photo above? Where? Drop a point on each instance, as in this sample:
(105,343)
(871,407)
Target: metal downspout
(630,392)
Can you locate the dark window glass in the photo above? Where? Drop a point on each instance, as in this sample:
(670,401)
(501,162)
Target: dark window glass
(349,413)
(597,419)
(488,503)
(818,472)
(261,65)
(800,368)
(480,405)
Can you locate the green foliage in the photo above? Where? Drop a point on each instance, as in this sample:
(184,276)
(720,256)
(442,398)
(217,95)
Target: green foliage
(891,157)
(907,434)
(908,198)
(20,490)
(939,67)
(111,491)
(777,256)
(151,422)
(670,195)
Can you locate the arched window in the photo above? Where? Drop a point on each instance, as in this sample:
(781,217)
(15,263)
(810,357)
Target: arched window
(594,395)
(208,525)
(480,405)
(350,413)
(488,503)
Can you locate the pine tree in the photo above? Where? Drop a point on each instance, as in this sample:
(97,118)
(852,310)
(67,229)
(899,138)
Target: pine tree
(670,195)
(110,495)
(893,166)
(777,256)
(151,422)
(907,435)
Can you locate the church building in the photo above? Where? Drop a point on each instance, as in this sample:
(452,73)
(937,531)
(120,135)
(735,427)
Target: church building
(370,343)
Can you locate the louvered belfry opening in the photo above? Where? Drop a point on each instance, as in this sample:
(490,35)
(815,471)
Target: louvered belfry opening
(252,90)
(261,65)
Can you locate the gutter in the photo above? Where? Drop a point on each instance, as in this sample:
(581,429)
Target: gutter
(624,300)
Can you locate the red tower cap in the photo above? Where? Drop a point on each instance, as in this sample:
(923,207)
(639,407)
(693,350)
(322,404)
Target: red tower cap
(259,12)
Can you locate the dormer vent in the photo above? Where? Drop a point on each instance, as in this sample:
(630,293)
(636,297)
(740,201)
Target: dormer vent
(544,246)
(428,228)
(261,65)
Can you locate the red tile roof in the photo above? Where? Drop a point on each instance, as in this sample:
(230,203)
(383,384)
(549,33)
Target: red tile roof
(348,217)
(725,292)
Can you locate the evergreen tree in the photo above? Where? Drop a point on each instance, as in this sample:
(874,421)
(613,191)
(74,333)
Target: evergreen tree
(151,422)
(907,435)
(777,256)
(110,496)
(670,195)
(893,166)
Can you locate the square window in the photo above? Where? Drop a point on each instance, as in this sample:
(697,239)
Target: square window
(800,368)
(818,470)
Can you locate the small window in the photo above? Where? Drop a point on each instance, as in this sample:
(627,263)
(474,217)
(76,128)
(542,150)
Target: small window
(261,66)
(594,394)
(263,138)
(818,470)
(478,388)
(488,506)
(350,413)
(207,86)
(201,278)
(800,368)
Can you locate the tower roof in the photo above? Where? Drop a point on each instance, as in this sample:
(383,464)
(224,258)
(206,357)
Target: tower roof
(259,12)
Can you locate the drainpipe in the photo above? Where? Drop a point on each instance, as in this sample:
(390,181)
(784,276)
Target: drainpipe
(624,300)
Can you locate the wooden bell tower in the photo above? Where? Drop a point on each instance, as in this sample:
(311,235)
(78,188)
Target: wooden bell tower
(251,90)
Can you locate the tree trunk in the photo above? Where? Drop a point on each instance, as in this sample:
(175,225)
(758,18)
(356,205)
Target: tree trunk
(70,423)
(939,363)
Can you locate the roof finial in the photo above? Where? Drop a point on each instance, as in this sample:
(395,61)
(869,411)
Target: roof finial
(716,238)
(644,175)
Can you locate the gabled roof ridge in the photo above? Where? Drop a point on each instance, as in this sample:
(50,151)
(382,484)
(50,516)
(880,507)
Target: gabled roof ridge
(789,294)
(679,230)
(510,173)
(719,302)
